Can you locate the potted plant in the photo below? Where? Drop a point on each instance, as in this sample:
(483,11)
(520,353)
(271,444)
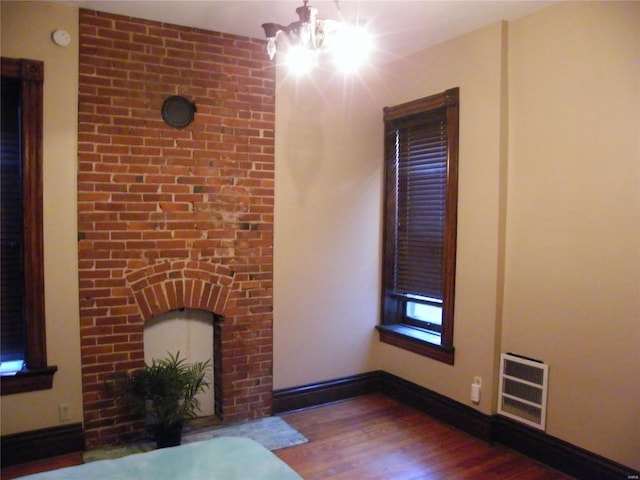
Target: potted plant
(166,392)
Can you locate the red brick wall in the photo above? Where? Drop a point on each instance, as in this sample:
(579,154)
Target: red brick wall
(173,218)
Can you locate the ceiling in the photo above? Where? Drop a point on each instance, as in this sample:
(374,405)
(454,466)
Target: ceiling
(399,27)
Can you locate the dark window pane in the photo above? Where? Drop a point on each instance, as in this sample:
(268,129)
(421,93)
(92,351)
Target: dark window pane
(11,226)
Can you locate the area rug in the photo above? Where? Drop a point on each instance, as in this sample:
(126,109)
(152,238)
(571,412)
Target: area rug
(272,432)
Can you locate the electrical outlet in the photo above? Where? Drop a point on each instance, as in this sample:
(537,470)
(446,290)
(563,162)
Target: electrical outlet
(64,412)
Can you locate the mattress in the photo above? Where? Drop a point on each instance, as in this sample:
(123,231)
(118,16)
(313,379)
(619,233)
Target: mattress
(221,458)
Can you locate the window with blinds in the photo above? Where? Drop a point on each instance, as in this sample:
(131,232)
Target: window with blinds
(421,145)
(13,335)
(23,359)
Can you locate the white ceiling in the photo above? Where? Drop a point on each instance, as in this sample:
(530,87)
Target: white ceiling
(399,27)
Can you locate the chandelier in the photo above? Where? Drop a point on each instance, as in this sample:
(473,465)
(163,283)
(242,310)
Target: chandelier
(310,36)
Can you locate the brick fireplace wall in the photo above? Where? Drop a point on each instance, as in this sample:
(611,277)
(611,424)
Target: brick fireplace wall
(173,218)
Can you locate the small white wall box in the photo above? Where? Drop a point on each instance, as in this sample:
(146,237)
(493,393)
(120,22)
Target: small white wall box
(523,390)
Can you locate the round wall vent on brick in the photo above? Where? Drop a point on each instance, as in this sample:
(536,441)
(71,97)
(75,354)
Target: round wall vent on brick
(177,111)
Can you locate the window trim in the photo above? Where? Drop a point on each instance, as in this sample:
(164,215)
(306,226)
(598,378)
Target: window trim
(393,330)
(36,375)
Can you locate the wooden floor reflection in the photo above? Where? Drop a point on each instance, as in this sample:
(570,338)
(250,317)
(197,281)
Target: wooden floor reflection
(375,437)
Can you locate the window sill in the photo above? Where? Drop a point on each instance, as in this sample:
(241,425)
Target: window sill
(417,341)
(27,381)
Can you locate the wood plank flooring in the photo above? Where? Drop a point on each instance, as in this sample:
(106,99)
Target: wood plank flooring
(374,437)
(43,465)
(377,438)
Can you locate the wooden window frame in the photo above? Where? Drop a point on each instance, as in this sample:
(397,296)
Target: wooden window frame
(395,328)
(36,375)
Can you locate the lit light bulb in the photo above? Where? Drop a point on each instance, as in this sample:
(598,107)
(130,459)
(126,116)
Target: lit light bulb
(305,33)
(352,48)
(300,60)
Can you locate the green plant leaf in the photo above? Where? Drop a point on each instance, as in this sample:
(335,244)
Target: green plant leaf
(166,389)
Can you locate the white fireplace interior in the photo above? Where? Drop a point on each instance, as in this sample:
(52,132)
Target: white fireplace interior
(191,333)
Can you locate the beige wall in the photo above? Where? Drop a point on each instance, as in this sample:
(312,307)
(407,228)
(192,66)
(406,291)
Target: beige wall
(327,233)
(327,229)
(549,227)
(329,181)
(26,33)
(473,62)
(573,242)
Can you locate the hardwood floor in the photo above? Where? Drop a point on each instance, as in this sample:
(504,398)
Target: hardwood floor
(374,437)
(43,465)
(377,438)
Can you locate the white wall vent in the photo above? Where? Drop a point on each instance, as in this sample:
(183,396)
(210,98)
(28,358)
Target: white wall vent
(523,389)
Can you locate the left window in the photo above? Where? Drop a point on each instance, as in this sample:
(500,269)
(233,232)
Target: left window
(23,355)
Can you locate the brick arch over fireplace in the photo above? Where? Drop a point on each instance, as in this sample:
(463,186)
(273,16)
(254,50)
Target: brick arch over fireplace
(188,284)
(113,342)
(169,286)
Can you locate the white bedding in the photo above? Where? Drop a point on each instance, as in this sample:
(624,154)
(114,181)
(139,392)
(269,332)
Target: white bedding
(221,458)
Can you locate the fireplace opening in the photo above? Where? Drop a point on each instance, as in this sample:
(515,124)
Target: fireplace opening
(191,333)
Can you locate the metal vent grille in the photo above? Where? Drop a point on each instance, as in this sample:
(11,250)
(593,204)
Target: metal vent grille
(523,390)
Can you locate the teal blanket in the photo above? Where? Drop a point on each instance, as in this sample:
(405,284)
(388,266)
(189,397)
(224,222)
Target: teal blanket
(221,458)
